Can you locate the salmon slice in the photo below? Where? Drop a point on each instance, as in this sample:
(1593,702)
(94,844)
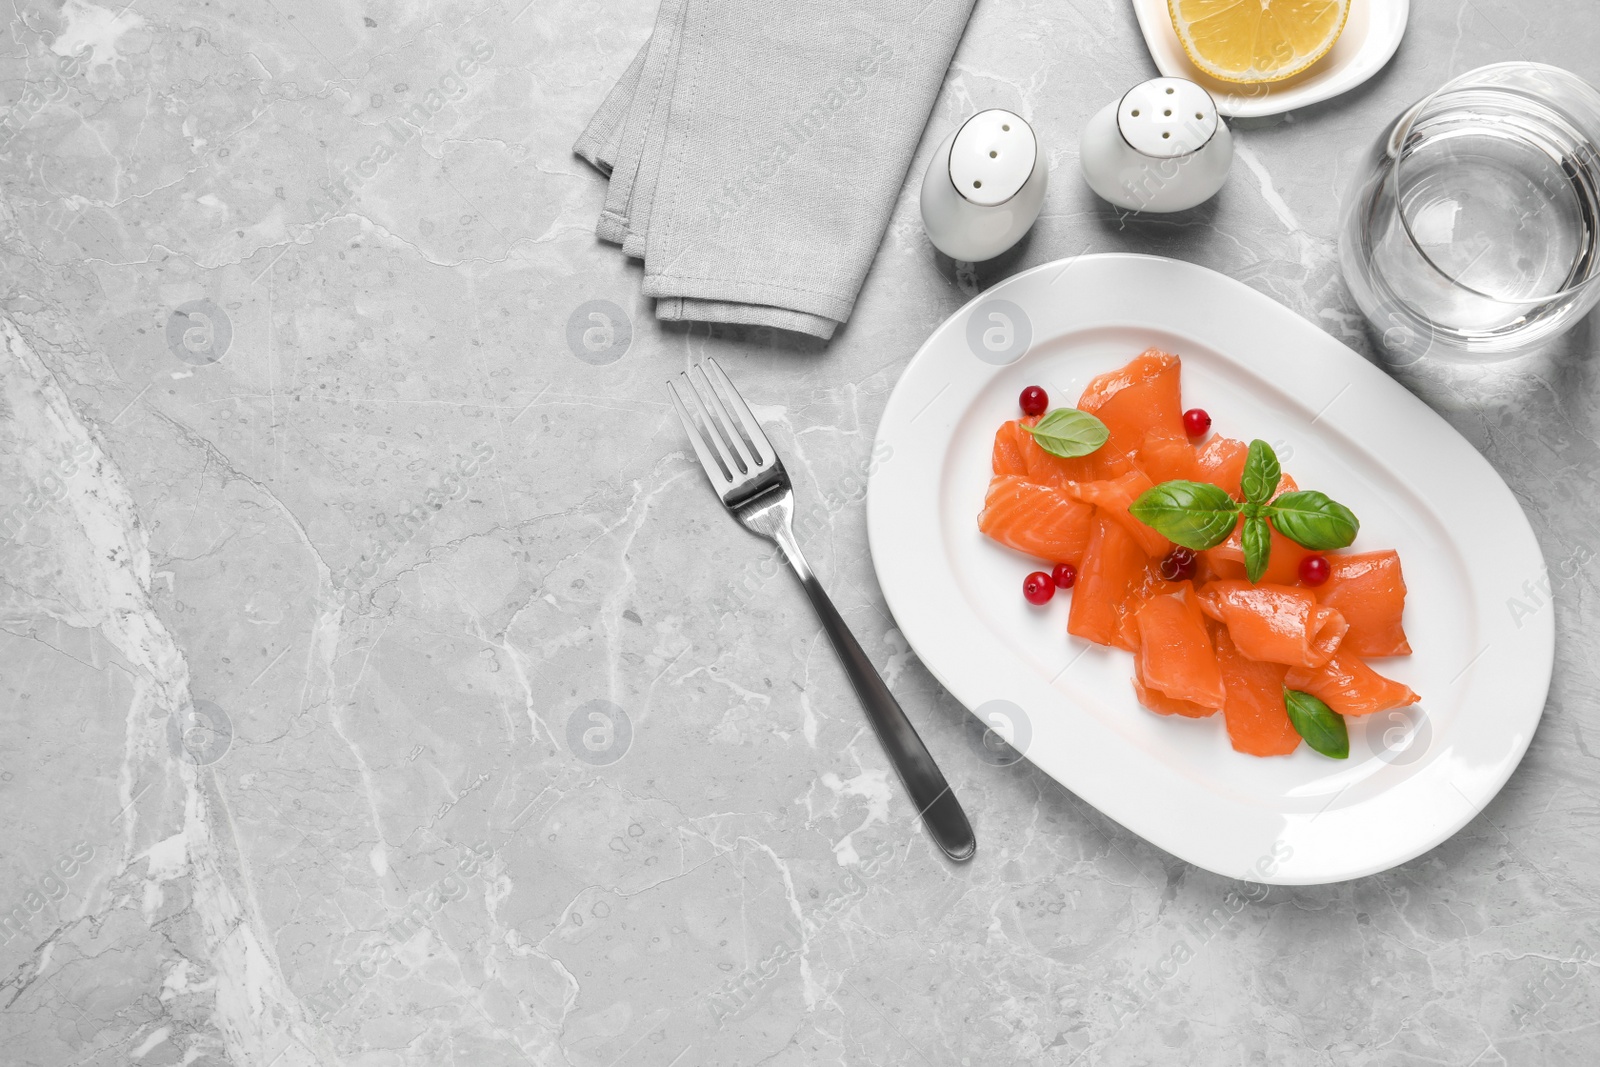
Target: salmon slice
(1221,462)
(1161,704)
(1258,725)
(1224,562)
(1368,589)
(1114,496)
(1347,685)
(1046,468)
(1112,565)
(1007,456)
(1165,459)
(1275,623)
(1035,519)
(1136,399)
(1207,570)
(1175,655)
(1283,559)
(1147,585)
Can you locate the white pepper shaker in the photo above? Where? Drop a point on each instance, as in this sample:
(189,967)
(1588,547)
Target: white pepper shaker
(984,187)
(1162,147)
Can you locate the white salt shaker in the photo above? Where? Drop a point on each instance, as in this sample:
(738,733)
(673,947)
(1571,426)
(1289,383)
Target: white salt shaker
(984,187)
(1162,147)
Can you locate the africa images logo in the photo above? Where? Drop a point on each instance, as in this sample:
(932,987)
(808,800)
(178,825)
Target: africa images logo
(999,332)
(599,332)
(599,732)
(998,732)
(199,332)
(50,886)
(200,734)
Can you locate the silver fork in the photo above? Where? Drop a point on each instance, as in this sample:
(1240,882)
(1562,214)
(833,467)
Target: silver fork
(754,486)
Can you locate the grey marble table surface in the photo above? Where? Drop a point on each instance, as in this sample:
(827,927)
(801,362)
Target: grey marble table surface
(381,685)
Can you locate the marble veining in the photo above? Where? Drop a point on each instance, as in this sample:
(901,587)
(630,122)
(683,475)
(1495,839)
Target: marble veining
(381,685)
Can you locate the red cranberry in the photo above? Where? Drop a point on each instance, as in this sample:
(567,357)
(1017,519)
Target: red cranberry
(1034,400)
(1178,564)
(1038,587)
(1314,570)
(1065,574)
(1196,422)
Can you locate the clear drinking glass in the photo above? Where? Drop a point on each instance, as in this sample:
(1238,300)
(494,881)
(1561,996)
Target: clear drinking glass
(1470,230)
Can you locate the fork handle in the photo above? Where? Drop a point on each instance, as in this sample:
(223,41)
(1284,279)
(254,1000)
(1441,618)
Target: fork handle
(940,810)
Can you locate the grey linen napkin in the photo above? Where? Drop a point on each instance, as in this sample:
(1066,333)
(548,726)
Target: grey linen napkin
(756,151)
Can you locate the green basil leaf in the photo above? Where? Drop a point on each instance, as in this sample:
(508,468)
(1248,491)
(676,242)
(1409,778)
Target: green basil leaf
(1069,432)
(1196,515)
(1261,473)
(1321,726)
(1311,520)
(1257,538)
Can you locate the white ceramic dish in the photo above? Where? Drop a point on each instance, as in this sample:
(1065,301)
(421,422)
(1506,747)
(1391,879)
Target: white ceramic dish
(1340,425)
(1370,37)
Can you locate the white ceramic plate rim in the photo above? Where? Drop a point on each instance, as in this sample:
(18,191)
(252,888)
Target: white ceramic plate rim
(1499,692)
(1369,40)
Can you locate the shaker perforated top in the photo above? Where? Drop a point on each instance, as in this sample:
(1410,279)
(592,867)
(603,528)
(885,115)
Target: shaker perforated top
(992,156)
(1166,117)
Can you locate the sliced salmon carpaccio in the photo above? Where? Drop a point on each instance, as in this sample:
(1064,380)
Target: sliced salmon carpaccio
(1112,565)
(1276,623)
(1175,654)
(1146,585)
(1221,462)
(1114,496)
(1161,704)
(1225,562)
(1047,468)
(1166,459)
(1347,685)
(1007,457)
(1283,558)
(1136,399)
(1016,452)
(1038,520)
(1218,641)
(1257,723)
(1368,589)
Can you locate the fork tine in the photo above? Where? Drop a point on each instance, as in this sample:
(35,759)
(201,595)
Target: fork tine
(734,471)
(719,480)
(751,426)
(728,427)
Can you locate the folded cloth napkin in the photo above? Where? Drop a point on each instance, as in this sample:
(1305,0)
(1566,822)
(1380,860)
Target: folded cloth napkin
(756,151)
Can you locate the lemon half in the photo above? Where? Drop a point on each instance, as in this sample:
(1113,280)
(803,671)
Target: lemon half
(1257,40)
